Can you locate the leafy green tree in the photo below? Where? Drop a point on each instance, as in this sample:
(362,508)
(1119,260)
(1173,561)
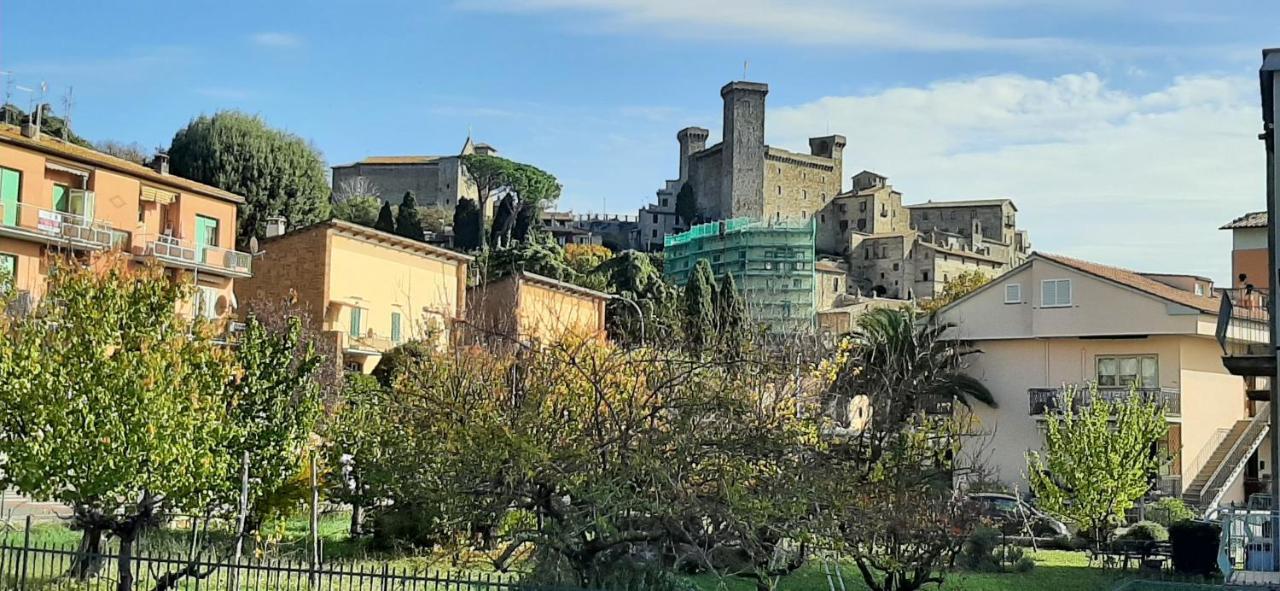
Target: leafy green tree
(361,209)
(386,219)
(584,258)
(407,222)
(144,429)
(466,225)
(955,288)
(278,173)
(277,403)
(641,289)
(1098,459)
(699,308)
(355,435)
(687,205)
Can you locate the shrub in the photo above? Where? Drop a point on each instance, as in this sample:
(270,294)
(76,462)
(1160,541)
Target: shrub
(1024,565)
(1148,531)
(977,552)
(1193,547)
(1168,511)
(399,527)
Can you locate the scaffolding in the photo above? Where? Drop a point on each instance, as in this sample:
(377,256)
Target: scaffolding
(771,264)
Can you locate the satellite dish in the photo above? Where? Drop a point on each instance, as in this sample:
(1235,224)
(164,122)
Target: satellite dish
(253,245)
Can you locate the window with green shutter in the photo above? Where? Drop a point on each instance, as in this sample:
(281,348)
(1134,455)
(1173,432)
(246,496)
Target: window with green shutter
(356,322)
(395,327)
(10,195)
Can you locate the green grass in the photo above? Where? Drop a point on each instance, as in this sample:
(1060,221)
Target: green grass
(1056,570)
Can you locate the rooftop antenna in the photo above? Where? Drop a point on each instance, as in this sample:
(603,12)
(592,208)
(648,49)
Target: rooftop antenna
(68,101)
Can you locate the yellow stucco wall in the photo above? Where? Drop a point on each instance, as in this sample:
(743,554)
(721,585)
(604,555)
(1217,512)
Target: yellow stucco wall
(547,313)
(425,291)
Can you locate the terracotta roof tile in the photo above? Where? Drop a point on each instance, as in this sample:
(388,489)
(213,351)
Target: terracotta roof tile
(56,147)
(1255,219)
(1136,281)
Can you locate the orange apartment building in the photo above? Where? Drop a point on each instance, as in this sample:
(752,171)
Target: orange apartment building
(59,198)
(527,307)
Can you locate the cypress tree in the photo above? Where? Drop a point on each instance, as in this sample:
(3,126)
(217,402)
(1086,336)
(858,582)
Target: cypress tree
(504,220)
(687,205)
(386,221)
(699,308)
(466,223)
(408,224)
(731,313)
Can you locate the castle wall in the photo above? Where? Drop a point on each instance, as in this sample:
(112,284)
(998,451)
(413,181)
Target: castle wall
(797,186)
(742,186)
(394,179)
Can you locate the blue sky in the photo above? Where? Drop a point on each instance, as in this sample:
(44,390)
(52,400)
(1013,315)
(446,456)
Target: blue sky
(1124,133)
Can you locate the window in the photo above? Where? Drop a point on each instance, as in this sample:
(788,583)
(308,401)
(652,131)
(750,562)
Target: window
(1055,293)
(862,224)
(835,285)
(715,258)
(804,213)
(1199,289)
(206,303)
(664,201)
(60,200)
(206,231)
(822,218)
(924,275)
(779,189)
(8,271)
(844,225)
(1013,293)
(804,193)
(796,283)
(742,255)
(895,266)
(395,327)
(655,218)
(862,206)
(357,319)
(1128,370)
(653,233)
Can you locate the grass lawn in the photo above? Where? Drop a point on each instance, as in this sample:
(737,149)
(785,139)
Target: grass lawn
(1056,570)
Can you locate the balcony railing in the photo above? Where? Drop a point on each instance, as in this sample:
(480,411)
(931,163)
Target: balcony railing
(57,226)
(1244,332)
(174,250)
(1054,400)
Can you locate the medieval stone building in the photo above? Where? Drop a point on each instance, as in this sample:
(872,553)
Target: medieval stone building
(437,181)
(741,176)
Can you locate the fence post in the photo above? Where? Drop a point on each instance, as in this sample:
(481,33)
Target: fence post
(386,577)
(26,549)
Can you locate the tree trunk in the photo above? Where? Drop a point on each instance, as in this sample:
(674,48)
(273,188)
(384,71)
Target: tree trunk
(357,520)
(124,564)
(88,559)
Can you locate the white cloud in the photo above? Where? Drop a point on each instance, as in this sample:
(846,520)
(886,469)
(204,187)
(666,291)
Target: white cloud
(1136,179)
(906,24)
(276,39)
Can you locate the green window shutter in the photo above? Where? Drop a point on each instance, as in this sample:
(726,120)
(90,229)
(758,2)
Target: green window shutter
(356,318)
(10,189)
(60,199)
(395,327)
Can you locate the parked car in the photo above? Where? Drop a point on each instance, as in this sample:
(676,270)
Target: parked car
(1015,516)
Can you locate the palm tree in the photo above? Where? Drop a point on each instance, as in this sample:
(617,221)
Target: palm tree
(903,363)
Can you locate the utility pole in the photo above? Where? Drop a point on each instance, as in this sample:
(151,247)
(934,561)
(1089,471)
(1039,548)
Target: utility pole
(1270,87)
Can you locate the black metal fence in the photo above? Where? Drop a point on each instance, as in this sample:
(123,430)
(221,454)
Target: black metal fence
(35,566)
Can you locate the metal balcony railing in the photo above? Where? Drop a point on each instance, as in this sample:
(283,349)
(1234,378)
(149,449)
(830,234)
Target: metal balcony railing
(1244,322)
(1054,400)
(60,226)
(173,250)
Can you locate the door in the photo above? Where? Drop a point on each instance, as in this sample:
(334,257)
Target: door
(10,187)
(206,236)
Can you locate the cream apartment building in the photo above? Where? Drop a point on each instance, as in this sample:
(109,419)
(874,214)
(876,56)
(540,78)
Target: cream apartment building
(527,307)
(1056,322)
(368,290)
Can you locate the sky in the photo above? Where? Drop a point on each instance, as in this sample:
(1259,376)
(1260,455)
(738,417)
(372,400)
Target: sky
(1125,132)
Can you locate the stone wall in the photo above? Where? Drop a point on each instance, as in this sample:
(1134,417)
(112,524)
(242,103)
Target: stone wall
(797,186)
(742,191)
(879,265)
(960,219)
(392,180)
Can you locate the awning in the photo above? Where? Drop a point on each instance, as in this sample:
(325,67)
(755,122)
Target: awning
(51,165)
(160,196)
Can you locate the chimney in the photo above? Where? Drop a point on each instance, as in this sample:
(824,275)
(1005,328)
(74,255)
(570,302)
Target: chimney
(276,226)
(31,127)
(160,162)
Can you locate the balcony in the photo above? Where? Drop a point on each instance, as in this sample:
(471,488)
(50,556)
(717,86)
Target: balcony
(27,222)
(179,253)
(1244,332)
(1053,400)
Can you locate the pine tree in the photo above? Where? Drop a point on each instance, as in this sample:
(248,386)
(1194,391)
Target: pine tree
(408,224)
(699,308)
(731,314)
(386,220)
